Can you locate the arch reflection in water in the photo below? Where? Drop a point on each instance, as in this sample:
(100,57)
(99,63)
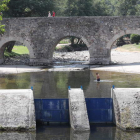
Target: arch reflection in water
(17,136)
(74,135)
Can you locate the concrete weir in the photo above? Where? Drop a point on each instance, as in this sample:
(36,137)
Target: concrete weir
(78,112)
(17,110)
(126,103)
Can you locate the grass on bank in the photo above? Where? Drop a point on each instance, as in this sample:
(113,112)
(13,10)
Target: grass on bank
(129,47)
(17,50)
(64,41)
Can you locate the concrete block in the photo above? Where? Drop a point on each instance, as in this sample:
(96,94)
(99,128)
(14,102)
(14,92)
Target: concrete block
(17,109)
(78,111)
(126,103)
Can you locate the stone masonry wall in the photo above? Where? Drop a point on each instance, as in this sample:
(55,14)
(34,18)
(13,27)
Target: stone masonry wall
(17,110)
(41,35)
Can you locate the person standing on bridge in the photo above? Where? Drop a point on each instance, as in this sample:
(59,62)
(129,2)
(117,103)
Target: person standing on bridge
(49,14)
(53,14)
(97,77)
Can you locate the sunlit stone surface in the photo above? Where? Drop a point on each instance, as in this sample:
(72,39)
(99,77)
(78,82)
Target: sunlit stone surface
(78,111)
(126,103)
(17,109)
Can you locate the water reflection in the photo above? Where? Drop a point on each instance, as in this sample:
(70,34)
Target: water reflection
(55,84)
(53,132)
(74,135)
(63,132)
(102,132)
(122,135)
(17,136)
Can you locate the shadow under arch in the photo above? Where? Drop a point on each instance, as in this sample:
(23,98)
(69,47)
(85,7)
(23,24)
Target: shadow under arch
(70,35)
(117,36)
(5,41)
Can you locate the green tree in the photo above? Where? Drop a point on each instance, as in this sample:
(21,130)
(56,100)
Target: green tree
(3,7)
(86,8)
(71,8)
(60,7)
(121,7)
(134,38)
(125,7)
(24,8)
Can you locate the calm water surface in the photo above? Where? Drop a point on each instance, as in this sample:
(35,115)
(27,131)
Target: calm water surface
(54,85)
(63,132)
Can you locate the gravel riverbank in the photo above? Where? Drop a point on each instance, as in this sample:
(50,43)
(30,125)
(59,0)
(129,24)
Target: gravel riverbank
(128,62)
(125,57)
(117,57)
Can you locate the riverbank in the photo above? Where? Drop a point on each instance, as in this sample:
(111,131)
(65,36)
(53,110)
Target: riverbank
(126,62)
(79,57)
(130,68)
(7,69)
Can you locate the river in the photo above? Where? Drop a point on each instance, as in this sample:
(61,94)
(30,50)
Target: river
(55,85)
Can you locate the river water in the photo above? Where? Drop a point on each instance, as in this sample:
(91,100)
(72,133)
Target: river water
(55,85)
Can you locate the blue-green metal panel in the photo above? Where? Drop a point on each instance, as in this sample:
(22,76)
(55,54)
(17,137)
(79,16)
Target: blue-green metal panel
(99,110)
(52,110)
(57,110)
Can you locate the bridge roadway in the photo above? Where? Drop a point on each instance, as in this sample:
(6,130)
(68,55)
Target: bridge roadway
(42,34)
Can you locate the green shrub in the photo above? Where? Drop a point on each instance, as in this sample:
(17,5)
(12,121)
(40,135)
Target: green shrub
(120,42)
(134,38)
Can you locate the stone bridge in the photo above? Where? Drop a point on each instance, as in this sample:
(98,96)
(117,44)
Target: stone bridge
(41,35)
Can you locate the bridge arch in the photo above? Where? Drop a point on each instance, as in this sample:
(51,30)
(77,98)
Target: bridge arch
(117,36)
(120,34)
(4,42)
(66,36)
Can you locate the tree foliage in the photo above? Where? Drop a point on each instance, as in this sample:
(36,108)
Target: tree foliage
(3,7)
(134,38)
(85,8)
(125,7)
(24,8)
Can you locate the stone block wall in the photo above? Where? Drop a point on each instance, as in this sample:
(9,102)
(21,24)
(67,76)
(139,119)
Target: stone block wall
(126,103)
(17,110)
